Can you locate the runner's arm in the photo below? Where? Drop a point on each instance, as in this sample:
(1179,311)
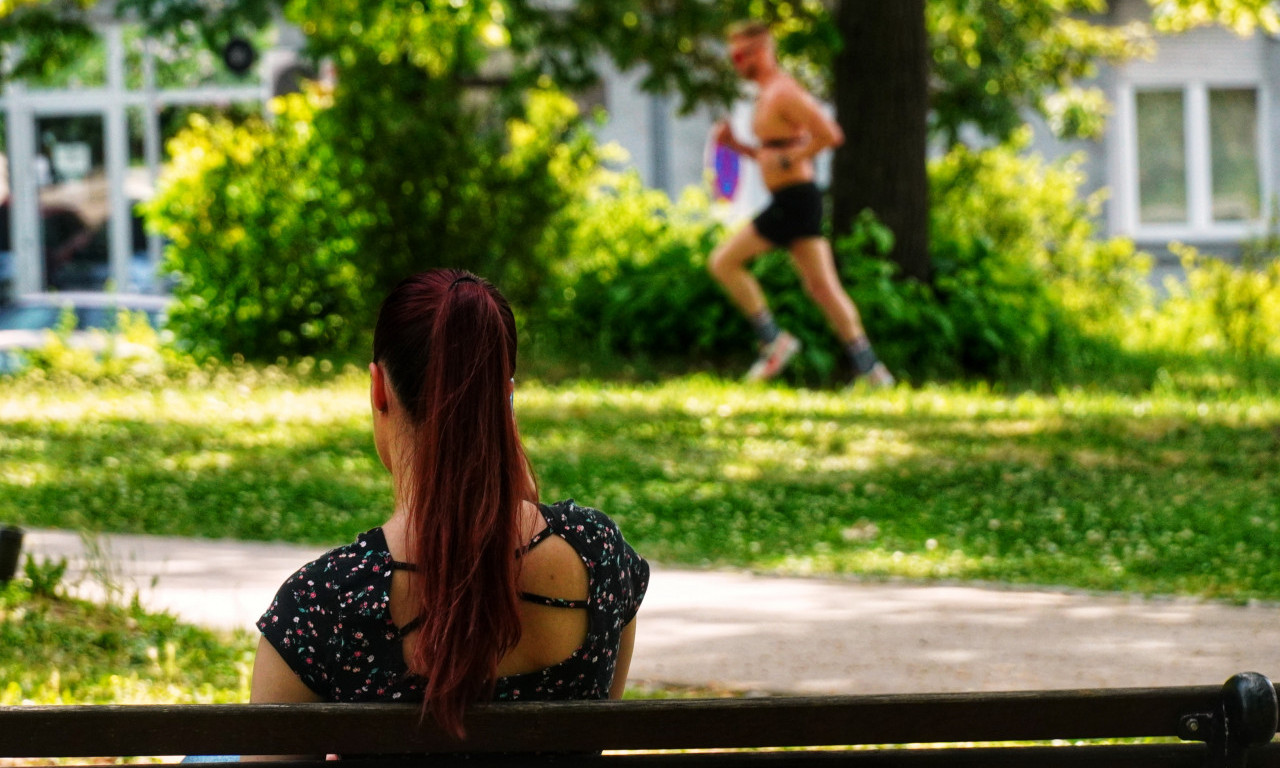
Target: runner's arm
(725,136)
(804,111)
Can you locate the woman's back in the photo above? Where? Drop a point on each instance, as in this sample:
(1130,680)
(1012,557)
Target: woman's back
(343,623)
(470,589)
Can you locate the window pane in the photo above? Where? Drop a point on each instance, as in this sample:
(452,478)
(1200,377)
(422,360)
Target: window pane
(86,67)
(1233,136)
(1162,158)
(74,201)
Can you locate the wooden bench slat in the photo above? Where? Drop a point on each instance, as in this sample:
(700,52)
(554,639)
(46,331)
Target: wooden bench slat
(1126,756)
(85,731)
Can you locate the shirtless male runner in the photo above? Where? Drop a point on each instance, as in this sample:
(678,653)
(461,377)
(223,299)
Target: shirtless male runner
(792,129)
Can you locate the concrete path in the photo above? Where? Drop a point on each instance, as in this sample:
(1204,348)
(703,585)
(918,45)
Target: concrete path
(784,635)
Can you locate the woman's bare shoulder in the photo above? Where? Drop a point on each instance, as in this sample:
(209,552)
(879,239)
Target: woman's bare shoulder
(552,567)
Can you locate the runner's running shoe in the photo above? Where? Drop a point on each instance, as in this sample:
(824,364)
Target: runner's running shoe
(876,378)
(774,356)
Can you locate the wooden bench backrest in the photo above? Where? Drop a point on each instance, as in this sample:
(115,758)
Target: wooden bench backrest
(383,729)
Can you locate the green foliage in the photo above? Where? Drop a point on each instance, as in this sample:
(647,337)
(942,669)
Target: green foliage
(1020,276)
(1077,112)
(1222,307)
(636,282)
(58,650)
(440,39)
(440,181)
(1021,279)
(287,232)
(996,58)
(637,287)
(40,38)
(254,215)
(990,58)
(129,351)
(1168,490)
(211,25)
(44,579)
(679,48)
(1243,16)
(1026,292)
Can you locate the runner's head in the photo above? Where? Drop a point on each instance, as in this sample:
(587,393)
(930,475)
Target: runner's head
(750,47)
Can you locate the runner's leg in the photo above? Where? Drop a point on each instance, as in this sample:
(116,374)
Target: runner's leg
(728,265)
(817,267)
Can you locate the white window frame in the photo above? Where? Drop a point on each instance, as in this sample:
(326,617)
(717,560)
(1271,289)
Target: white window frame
(24,106)
(1201,225)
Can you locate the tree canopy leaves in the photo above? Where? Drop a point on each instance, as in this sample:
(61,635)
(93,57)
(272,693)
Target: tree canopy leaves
(990,59)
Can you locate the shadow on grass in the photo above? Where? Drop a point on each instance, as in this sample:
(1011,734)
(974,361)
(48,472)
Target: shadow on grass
(1099,492)
(136,476)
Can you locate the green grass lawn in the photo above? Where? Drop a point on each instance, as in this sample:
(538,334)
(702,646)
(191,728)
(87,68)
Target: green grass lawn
(57,650)
(1156,493)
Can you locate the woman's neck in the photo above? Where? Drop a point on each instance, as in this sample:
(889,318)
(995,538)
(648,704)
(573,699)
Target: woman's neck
(396,531)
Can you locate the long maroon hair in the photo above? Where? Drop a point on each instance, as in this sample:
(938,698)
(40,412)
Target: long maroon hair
(446,340)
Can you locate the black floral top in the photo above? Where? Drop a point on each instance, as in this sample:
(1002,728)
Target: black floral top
(331,621)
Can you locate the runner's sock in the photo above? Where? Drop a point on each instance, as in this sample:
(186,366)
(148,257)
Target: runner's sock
(861,355)
(766,328)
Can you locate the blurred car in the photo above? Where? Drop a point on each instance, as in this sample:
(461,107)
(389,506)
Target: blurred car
(76,254)
(27,321)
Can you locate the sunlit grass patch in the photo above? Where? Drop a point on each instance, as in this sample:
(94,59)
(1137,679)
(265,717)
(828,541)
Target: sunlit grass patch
(1154,493)
(1166,491)
(59,650)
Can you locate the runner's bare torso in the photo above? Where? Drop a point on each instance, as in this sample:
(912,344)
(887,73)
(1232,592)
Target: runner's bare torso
(788,122)
(782,136)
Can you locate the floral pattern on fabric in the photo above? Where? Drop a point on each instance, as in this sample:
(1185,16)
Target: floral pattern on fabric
(331,621)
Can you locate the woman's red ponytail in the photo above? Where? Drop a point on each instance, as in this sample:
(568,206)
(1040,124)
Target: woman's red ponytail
(447,341)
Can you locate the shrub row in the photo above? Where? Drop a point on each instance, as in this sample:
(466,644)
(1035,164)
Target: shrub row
(286,232)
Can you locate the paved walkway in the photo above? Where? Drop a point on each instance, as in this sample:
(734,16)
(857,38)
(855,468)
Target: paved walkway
(785,635)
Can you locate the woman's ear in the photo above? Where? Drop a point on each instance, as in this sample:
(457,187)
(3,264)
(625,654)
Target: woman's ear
(378,397)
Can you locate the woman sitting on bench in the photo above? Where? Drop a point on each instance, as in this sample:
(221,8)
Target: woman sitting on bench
(471,590)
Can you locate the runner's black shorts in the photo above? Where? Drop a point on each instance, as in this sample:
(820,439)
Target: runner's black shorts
(794,213)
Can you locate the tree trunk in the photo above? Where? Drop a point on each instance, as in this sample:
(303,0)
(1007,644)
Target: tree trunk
(882,103)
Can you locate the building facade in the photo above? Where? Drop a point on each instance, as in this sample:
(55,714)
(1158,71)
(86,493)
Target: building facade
(1189,154)
(82,152)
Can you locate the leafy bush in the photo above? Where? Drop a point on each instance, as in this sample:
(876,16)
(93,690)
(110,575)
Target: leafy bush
(286,233)
(44,578)
(1231,309)
(1013,239)
(1021,281)
(1022,287)
(443,176)
(635,280)
(130,351)
(263,238)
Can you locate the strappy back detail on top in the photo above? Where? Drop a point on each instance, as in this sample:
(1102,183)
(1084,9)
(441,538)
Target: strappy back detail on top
(780,143)
(331,620)
(528,597)
(532,597)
